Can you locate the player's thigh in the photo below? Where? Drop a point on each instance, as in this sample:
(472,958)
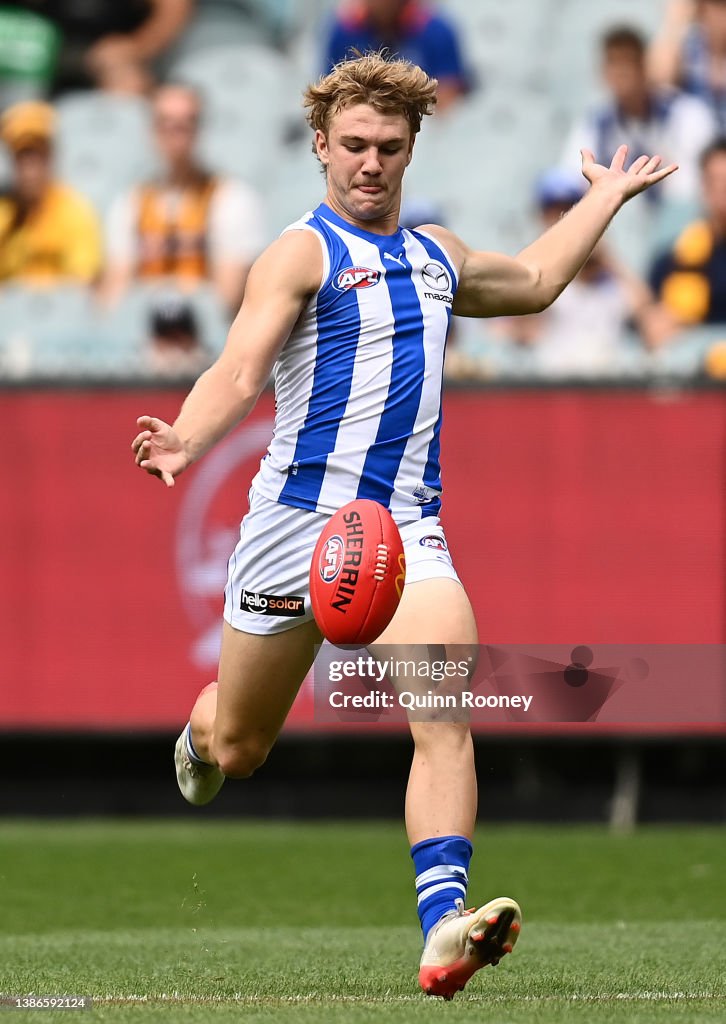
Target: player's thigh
(269,632)
(434,608)
(432,638)
(259,677)
(432,611)
(434,620)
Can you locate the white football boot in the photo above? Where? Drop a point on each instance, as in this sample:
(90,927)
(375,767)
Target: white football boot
(463,941)
(199,783)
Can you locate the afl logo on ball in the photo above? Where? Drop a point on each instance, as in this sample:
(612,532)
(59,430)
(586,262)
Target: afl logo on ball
(331,558)
(436,276)
(356,277)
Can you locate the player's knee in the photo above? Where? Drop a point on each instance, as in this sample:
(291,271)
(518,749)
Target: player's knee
(451,736)
(238,759)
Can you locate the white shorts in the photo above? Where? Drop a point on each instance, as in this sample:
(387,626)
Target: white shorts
(267,587)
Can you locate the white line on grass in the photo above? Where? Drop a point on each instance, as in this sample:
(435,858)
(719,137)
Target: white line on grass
(315,997)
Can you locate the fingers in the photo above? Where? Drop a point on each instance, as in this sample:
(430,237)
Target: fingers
(646,164)
(618,161)
(637,165)
(648,167)
(141,446)
(660,175)
(153,470)
(150,423)
(143,449)
(139,440)
(588,157)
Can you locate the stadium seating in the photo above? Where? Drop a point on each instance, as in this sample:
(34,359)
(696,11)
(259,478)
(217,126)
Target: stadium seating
(5,171)
(44,331)
(125,328)
(536,67)
(103,144)
(247,98)
(295,186)
(223,23)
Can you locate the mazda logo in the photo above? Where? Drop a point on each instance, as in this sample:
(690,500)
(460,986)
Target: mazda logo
(436,276)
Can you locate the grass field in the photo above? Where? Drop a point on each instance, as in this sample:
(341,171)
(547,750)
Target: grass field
(275,922)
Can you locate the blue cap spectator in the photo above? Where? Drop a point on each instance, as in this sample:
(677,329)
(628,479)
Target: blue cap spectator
(407,29)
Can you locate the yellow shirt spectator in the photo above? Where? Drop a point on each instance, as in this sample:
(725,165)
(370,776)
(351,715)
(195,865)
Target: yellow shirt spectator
(48,232)
(58,239)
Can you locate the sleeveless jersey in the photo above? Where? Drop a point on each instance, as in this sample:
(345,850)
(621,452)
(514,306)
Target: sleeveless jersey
(358,382)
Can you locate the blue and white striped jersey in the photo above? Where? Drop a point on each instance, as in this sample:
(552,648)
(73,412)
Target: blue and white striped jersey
(358,382)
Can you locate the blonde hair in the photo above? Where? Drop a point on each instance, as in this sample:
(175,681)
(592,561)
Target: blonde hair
(389,86)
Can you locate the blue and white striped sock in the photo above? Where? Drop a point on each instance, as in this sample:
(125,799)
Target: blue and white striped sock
(442,866)
(193,755)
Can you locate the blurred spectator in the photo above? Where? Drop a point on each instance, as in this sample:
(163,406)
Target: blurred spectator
(240,22)
(690,52)
(690,280)
(29,45)
(408,29)
(584,332)
(48,232)
(648,119)
(175,348)
(188,226)
(111,44)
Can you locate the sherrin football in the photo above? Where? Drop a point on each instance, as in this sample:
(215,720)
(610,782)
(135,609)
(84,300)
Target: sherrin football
(357,573)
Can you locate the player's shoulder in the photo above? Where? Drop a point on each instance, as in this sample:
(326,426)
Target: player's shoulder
(451,245)
(294,260)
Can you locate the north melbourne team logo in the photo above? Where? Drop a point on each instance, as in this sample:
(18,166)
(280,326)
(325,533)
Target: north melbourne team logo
(436,276)
(356,277)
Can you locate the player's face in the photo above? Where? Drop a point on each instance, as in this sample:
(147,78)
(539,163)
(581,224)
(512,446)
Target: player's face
(365,154)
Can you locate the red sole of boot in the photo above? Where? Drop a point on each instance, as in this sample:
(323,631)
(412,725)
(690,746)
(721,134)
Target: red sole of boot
(490,946)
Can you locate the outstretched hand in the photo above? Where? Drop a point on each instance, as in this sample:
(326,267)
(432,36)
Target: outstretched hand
(642,173)
(159,450)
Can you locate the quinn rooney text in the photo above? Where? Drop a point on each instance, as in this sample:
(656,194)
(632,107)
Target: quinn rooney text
(419,701)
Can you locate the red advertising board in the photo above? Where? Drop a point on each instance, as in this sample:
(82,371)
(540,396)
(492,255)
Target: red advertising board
(573,517)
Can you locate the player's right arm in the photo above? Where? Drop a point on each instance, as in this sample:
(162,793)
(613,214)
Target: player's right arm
(279,286)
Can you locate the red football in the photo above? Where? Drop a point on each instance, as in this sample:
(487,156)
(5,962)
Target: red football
(357,573)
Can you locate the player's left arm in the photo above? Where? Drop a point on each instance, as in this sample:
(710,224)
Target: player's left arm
(491,284)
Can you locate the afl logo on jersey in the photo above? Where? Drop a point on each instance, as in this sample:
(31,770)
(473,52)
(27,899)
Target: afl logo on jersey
(356,277)
(432,541)
(331,558)
(436,276)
